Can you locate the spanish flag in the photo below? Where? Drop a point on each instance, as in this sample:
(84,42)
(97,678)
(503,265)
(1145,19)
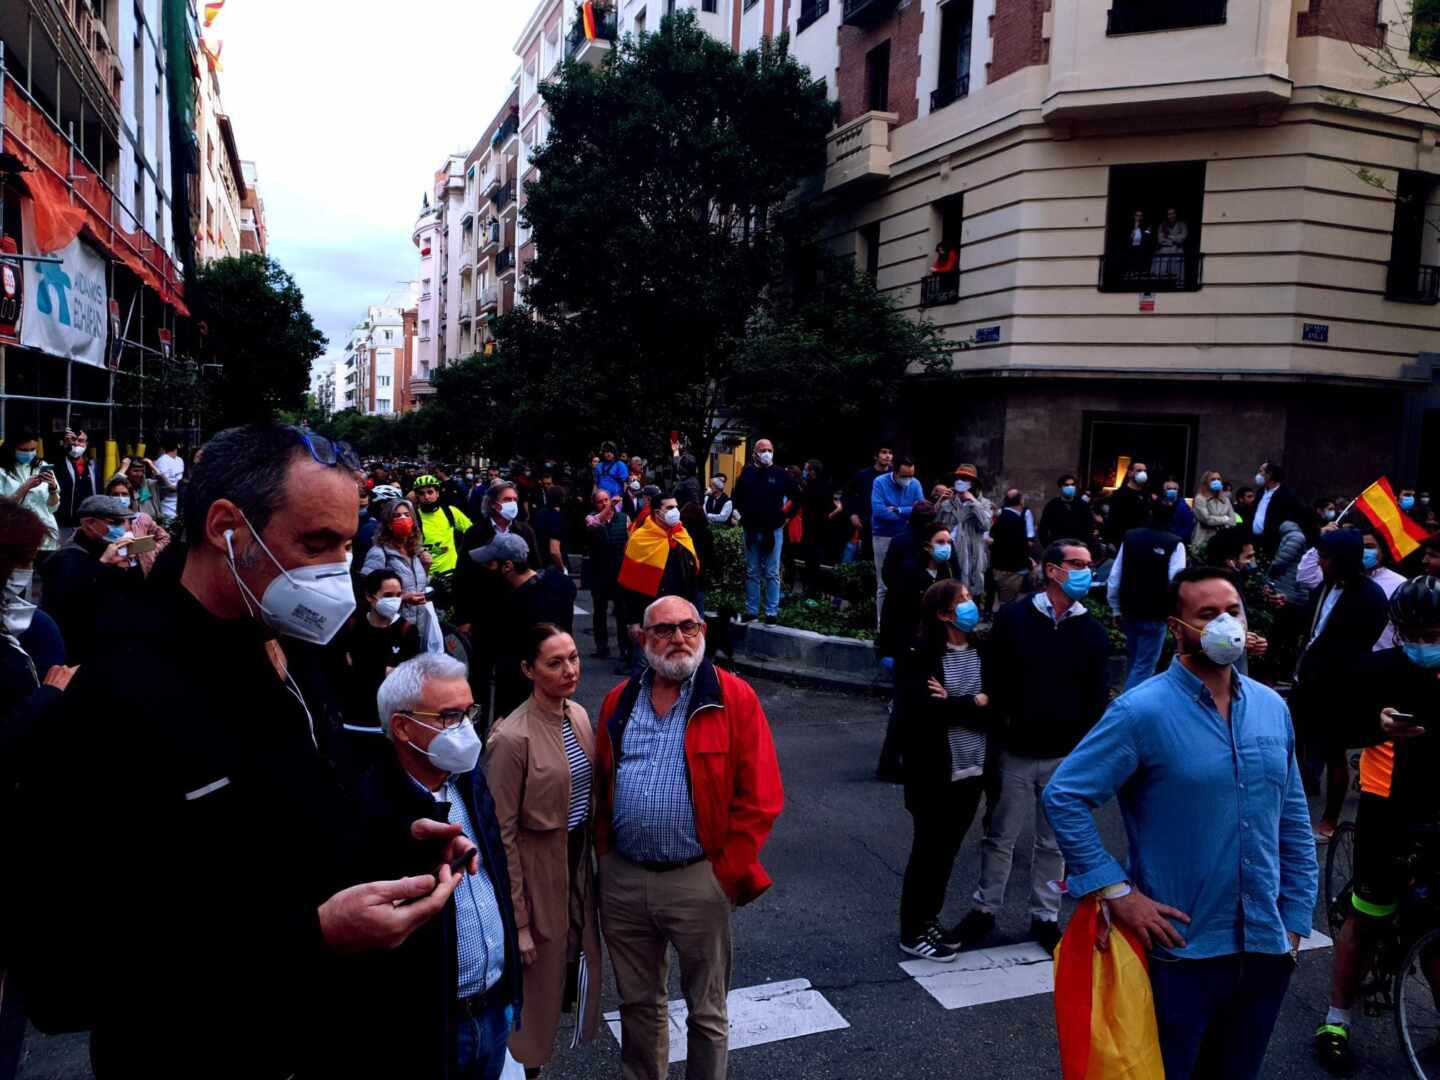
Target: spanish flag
(587,15)
(211,10)
(1378,503)
(646,553)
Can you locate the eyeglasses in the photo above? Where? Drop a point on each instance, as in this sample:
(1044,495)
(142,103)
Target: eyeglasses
(690,628)
(328,452)
(448,718)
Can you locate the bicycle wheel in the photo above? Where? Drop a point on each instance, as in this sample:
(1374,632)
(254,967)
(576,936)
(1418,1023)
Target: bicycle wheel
(1417,1012)
(1339,872)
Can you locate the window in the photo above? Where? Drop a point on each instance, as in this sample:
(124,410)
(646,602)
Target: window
(1414,274)
(640,22)
(383,380)
(382,405)
(1152,230)
(877,77)
(710,7)
(1165,443)
(528,82)
(942,284)
(1425,32)
(956,19)
(870,249)
(1145,16)
(810,12)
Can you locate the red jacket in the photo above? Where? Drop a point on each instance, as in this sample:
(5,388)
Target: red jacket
(734,775)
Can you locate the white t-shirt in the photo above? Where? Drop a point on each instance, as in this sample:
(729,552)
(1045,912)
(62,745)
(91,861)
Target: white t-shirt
(171,469)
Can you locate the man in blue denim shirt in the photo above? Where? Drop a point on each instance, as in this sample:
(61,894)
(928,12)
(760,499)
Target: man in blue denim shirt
(1223,875)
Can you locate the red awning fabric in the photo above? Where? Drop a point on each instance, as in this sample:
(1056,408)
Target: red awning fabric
(59,217)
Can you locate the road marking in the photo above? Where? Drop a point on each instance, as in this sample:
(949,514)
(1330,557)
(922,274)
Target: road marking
(580,610)
(1005,972)
(758,1015)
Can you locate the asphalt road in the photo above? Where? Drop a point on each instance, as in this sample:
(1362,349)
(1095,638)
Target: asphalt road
(837,854)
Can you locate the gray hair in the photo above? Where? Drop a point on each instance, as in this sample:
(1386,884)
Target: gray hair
(493,493)
(404,687)
(645,620)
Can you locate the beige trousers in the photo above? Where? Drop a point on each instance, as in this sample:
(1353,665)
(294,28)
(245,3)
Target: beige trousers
(642,914)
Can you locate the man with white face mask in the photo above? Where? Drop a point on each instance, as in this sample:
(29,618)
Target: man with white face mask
(240,851)
(1203,760)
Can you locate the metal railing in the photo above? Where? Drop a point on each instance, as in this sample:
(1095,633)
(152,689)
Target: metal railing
(489,298)
(1145,16)
(867,12)
(505,195)
(810,12)
(505,261)
(607,28)
(1413,283)
(938,289)
(949,92)
(1125,271)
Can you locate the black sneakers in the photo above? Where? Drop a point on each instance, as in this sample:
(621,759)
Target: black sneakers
(1332,1049)
(1046,934)
(970,931)
(928,946)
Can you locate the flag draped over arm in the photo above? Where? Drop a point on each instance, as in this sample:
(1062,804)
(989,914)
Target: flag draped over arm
(1401,532)
(646,554)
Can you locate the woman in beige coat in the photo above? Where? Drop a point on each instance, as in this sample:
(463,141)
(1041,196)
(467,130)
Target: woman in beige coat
(540,764)
(1213,511)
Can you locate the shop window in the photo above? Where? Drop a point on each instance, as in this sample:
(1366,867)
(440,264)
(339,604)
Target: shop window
(1113,441)
(1152,230)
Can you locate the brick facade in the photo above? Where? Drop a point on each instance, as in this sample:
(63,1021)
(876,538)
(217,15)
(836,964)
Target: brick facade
(903,31)
(1017,31)
(1356,21)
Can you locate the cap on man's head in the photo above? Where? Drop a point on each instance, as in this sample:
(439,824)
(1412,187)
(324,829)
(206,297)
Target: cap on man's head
(967,472)
(107,506)
(506,547)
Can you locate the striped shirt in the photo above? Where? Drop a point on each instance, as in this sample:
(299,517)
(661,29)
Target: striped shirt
(479,928)
(654,817)
(962,679)
(580,777)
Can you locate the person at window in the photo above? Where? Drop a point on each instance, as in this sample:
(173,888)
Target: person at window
(1140,243)
(947,259)
(1171,238)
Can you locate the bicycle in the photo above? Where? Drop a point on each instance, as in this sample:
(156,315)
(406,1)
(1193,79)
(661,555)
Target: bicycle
(1403,971)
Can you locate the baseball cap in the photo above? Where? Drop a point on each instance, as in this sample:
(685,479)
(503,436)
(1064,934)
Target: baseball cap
(506,547)
(109,506)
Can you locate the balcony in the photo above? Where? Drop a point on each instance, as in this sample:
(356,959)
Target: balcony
(489,300)
(1413,284)
(491,185)
(859,150)
(467,218)
(467,311)
(949,92)
(592,51)
(937,290)
(504,196)
(811,11)
(1125,273)
(506,131)
(505,261)
(867,13)
(1145,16)
(489,237)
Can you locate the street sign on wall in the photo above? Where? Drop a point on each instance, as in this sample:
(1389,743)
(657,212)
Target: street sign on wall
(1312,331)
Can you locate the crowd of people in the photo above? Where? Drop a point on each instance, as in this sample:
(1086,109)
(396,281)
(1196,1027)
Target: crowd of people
(332,705)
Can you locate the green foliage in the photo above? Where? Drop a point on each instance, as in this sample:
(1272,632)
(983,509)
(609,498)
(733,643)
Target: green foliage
(260,335)
(727,576)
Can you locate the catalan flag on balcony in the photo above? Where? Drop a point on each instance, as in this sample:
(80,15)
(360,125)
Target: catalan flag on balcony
(1401,532)
(212,8)
(587,15)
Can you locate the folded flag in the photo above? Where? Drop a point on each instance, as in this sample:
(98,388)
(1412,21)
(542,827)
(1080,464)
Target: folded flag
(1401,532)
(647,552)
(587,14)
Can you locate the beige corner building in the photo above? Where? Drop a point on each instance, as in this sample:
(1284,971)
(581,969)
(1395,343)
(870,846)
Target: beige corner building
(1192,232)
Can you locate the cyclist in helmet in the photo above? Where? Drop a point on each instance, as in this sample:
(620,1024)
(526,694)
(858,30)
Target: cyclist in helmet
(443,526)
(1395,702)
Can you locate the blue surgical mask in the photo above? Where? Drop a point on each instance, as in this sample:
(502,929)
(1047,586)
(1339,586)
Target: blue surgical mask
(1371,558)
(967,616)
(115,532)
(1407,502)
(1216,486)
(1172,496)
(1077,584)
(962,486)
(1423,656)
(24,457)
(1068,491)
(941,553)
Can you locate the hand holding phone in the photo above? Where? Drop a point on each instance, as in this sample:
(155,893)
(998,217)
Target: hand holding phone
(1399,725)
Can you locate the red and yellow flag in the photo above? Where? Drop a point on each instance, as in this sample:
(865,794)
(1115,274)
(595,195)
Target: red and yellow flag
(1401,532)
(646,553)
(212,8)
(212,53)
(587,14)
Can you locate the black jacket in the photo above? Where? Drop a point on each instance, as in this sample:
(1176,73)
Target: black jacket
(548,597)
(679,579)
(1388,680)
(477,591)
(220,831)
(1071,520)
(1129,509)
(1355,624)
(75,489)
(925,721)
(87,599)
(1009,548)
(900,617)
(607,552)
(1284,506)
(415,1035)
(760,496)
(1047,683)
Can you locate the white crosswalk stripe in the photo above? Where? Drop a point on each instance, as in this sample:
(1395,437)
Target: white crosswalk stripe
(1005,972)
(580,610)
(758,1015)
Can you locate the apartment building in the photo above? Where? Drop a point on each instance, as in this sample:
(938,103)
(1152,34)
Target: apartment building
(1193,233)
(373,376)
(253,235)
(219,189)
(323,386)
(490,229)
(741,24)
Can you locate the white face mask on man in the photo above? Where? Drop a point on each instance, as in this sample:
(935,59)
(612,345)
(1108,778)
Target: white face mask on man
(309,603)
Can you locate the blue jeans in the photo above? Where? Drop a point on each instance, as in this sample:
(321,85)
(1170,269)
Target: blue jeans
(480,1044)
(1144,638)
(758,562)
(1215,1016)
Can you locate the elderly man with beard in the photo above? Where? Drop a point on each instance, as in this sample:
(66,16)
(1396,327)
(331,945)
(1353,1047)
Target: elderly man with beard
(688,789)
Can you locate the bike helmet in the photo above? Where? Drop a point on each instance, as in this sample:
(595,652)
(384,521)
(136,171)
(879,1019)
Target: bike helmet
(426,481)
(384,493)
(1417,602)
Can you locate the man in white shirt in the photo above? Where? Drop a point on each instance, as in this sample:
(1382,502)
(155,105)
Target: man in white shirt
(171,469)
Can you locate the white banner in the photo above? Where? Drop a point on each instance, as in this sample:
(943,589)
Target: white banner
(66,305)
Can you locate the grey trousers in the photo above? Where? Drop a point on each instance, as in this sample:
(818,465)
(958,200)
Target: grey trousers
(1022,780)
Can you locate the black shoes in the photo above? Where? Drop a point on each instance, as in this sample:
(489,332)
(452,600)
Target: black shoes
(929,946)
(1332,1049)
(1046,934)
(970,931)
(771,620)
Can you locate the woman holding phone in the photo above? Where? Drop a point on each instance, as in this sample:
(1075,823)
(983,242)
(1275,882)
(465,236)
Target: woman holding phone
(540,764)
(25,478)
(142,524)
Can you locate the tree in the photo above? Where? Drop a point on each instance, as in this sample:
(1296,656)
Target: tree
(260,336)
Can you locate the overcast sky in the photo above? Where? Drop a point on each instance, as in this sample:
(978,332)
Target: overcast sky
(347,110)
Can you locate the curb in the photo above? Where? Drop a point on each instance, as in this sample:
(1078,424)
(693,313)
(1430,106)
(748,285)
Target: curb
(811,678)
